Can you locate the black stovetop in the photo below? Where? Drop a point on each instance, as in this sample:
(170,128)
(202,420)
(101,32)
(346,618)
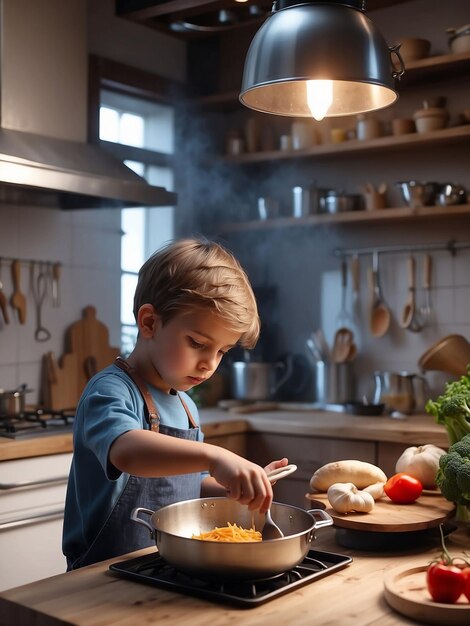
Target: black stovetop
(152,569)
(36,423)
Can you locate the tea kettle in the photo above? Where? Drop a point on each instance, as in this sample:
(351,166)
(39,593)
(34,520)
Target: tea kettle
(403,392)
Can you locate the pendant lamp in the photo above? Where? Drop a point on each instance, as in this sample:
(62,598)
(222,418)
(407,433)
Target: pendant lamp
(320,58)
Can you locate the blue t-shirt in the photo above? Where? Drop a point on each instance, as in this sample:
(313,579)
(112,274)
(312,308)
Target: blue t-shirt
(110,406)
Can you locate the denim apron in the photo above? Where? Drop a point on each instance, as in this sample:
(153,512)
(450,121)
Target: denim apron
(119,535)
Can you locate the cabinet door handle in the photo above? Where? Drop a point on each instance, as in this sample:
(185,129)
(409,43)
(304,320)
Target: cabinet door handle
(59,480)
(34,519)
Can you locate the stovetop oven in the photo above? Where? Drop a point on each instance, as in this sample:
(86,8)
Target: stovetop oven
(36,423)
(152,569)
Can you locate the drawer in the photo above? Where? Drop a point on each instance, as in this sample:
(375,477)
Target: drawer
(308,453)
(31,485)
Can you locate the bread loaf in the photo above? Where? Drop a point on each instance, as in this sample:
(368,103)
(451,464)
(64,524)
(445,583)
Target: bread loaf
(359,473)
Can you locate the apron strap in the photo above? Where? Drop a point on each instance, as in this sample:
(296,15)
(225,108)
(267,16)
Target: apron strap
(188,413)
(153,417)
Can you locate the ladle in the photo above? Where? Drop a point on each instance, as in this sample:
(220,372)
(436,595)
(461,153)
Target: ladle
(270,529)
(379,313)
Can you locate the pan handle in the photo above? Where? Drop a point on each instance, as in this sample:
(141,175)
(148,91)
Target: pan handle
(326,520)
(135,518)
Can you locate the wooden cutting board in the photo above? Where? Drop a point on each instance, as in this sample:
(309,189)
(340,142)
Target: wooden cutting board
(61,381)
(88,339)
(427,512)
(406,592)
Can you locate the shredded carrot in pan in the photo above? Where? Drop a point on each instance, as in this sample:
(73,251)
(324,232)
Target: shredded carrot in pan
(230,533)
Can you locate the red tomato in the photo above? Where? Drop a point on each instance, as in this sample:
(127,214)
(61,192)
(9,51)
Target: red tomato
(403,489)
(466,573)
(446,583)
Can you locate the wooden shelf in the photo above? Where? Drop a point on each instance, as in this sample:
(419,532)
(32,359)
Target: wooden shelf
(444,66)
(352,217)
(456,134)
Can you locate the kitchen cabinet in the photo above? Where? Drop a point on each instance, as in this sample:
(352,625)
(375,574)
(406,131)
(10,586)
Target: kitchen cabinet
(32,497)
(388,455)
(308,453)
(235,442)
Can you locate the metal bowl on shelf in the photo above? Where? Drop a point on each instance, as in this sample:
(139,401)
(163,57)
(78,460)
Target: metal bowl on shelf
(450,195)
(418,194)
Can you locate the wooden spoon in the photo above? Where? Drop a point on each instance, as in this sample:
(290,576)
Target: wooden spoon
(352,352)
(379,313)
(3,300)
(18,300)
(342,345)
(410,305)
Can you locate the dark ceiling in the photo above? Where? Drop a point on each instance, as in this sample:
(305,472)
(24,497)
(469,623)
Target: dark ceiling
(190,19)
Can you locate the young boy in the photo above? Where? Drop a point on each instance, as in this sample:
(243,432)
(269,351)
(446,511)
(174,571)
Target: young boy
(136,436)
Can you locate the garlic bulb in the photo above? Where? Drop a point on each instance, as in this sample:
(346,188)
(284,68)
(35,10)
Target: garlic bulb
(422,463)
(346,497)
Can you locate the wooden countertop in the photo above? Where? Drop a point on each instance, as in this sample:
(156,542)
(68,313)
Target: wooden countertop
(414,429)
(93,596)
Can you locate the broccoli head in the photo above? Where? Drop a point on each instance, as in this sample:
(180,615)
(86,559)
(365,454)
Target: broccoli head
(452,408)
(453,476)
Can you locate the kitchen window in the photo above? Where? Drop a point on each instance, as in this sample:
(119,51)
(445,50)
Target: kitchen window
(141,134)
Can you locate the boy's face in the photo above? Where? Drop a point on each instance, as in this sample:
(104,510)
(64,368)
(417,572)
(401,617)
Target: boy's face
(187,350)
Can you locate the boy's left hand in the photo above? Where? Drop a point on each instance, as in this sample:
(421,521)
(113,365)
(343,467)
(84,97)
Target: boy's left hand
(275,465)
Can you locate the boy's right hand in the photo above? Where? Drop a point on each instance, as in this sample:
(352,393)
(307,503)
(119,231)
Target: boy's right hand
(243,480)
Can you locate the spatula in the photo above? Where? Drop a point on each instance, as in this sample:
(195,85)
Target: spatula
(270,529)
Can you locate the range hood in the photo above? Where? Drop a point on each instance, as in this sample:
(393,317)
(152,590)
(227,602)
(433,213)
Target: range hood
(58,173)
(44,157)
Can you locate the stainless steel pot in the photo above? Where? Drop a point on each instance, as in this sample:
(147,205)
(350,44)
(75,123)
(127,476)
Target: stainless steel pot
(341,202)
(404,392)
(12,403)
(258,381)
(173,526)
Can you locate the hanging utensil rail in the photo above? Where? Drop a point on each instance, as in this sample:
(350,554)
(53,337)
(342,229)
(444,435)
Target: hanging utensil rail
(451,246)
(9,260)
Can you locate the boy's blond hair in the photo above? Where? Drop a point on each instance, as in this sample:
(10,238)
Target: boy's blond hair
(196,273)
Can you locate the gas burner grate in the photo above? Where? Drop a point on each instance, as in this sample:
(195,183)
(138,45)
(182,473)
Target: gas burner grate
(154,570)
(36,422)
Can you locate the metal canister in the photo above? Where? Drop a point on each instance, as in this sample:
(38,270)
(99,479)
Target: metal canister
(307,200)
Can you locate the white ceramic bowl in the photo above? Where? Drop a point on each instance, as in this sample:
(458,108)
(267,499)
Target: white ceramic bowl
(430,119)
(459,39)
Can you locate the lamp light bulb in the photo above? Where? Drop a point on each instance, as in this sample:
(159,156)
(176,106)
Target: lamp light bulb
(319,97)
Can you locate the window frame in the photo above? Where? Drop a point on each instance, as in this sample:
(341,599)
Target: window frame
(124,80)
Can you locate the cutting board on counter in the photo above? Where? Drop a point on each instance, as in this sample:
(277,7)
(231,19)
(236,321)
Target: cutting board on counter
(60,385)
(88,340)
(427,512)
